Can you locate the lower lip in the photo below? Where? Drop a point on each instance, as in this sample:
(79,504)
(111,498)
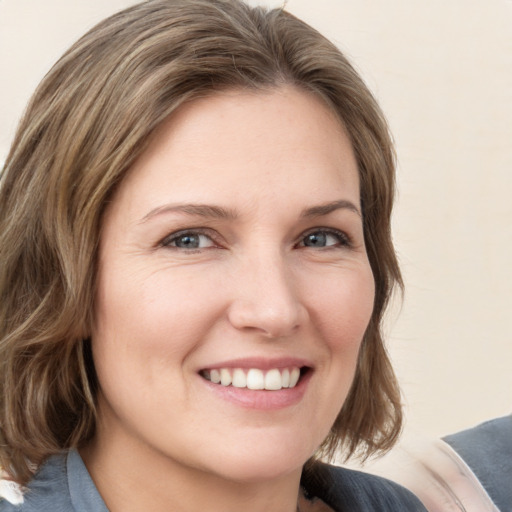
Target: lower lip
(261,399)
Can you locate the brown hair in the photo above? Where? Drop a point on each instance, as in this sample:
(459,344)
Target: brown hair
(87,122)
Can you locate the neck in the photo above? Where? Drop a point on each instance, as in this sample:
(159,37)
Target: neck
(131,477)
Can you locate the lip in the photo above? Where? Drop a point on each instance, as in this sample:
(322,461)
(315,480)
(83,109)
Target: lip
(262,400)
(263,363)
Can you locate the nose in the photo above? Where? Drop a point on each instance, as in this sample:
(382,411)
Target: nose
(266,299)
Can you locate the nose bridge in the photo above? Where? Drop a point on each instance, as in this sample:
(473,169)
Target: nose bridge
(266,298)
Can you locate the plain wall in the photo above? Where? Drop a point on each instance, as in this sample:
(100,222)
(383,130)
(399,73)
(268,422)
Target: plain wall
(442,71)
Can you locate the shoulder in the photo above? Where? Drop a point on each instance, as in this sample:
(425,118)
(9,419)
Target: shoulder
(359,491)
(487,450)
(498,432)
(46,492)
(10,496)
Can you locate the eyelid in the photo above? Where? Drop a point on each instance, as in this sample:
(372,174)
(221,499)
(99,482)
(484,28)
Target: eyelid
(166,241)
(344,238)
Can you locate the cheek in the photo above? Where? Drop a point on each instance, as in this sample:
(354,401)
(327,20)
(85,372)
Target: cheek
(343,309)
(140,340)
(150,319)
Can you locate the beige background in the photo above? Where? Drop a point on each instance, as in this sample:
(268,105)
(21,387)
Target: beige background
(442,71)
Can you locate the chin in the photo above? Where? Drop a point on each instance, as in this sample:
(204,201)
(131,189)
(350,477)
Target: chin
(262,461)
(255,471)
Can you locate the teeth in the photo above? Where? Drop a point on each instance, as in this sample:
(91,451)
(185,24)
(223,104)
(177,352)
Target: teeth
(239,379)
(215,376)
(272,380)
(285,378)
(255,379)
(225,377)
(294,377)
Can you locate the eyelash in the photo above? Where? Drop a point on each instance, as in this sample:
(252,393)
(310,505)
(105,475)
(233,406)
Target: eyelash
(343,240)
(173,237)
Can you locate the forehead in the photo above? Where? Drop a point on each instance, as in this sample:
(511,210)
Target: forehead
(240,145)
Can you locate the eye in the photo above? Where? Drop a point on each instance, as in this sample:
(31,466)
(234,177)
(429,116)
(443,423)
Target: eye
(325,238)
(188,240)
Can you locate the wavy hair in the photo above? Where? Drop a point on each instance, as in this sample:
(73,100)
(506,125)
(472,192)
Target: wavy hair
(86,123)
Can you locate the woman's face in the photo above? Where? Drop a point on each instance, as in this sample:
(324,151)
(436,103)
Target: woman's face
(233,250)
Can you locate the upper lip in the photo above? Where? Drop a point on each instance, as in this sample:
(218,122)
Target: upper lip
(262,363)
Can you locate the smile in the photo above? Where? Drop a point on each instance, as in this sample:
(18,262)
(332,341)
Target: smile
(254,378)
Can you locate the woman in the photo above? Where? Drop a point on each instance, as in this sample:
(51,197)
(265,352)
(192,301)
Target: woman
(196,257)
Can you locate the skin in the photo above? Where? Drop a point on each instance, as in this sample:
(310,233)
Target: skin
(253,287)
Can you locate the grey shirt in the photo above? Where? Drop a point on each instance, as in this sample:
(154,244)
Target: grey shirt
(63,484)
(487,450)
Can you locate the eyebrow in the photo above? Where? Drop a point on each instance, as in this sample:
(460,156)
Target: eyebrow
(218,212)
(198,210)
(325,209)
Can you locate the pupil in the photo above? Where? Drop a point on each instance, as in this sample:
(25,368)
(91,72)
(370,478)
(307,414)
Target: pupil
(188,241)
(316,240)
